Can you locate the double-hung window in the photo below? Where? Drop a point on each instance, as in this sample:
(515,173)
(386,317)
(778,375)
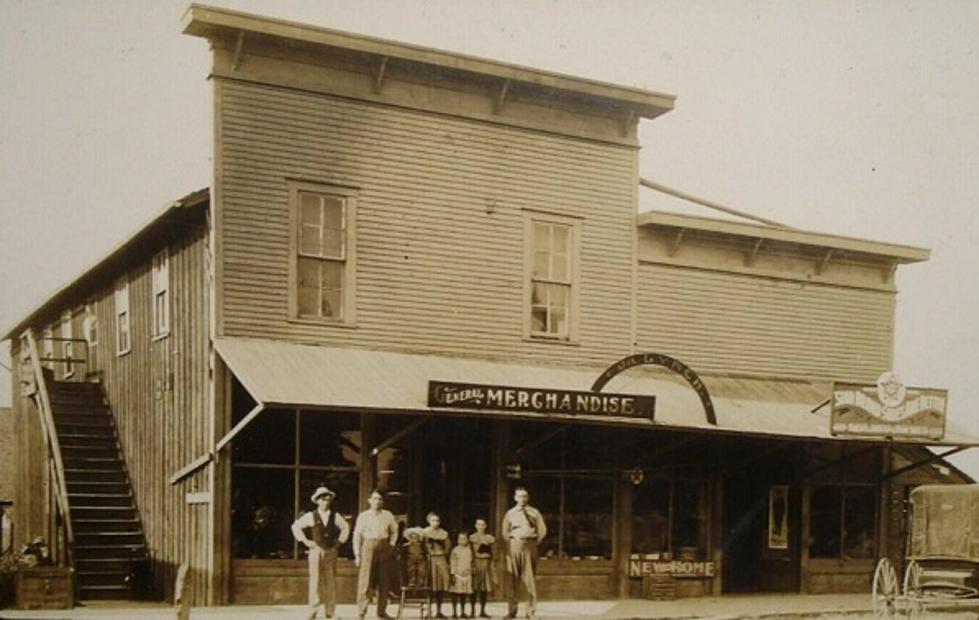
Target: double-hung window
(123,335)
(323,264)
(161,294)
(552,289)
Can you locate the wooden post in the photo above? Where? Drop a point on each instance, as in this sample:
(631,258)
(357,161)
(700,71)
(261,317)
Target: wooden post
(181,600)
(500,501)
(715,510)
(804,536)
(623,529)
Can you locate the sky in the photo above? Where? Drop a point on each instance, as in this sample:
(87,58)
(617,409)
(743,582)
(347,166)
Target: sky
(851,118)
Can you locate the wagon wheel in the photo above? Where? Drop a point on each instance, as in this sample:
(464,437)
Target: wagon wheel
(885,590)
(914,597)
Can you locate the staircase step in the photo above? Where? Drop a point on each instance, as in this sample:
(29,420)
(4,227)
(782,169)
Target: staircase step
(84,487)
(132,537)
(102,578)
(101,500)
(84,474)
(87,527)
(107,452)
(103,512)
(76,386)
(88,437)
(84,424)
(104,565)
(93,462)
(121,552)
(114,592)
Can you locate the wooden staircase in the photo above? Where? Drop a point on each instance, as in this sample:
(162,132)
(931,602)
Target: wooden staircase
(109,549)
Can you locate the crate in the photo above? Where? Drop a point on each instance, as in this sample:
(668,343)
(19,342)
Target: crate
(659,587)
(46,587)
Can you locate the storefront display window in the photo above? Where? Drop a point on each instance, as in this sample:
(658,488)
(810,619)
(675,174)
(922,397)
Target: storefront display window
(578,513)
(670,516)
(843,523)
(278,460)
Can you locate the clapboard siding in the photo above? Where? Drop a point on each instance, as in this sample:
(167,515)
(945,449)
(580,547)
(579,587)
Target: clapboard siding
(727,322)
(435,271)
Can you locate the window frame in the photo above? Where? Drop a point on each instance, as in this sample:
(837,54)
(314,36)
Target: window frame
(348,292)
(67,346)
(574,225)
(160,275)
(123,314)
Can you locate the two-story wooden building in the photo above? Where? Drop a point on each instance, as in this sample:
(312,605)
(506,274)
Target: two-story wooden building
(409,273)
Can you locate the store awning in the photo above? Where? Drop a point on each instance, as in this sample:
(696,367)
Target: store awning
(284,374)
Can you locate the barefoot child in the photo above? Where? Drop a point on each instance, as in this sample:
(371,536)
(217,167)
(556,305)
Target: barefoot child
(461,565)
(483,578)
(437,545)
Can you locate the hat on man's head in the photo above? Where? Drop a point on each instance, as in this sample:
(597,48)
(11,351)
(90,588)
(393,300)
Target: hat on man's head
(320,491)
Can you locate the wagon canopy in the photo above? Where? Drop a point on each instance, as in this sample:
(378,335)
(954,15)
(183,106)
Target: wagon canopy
(945,522)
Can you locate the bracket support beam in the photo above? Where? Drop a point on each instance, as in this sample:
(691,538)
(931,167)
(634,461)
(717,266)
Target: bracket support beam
(379,78)
(239,44)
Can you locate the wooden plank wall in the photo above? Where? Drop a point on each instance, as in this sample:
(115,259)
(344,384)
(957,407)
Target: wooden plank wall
(159,395)
(31,512)
(726,322)
(436,272)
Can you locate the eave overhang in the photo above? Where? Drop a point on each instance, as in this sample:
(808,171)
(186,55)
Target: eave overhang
(212,22)
(901,254)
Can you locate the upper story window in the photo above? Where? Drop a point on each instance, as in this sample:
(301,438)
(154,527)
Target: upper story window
(67,346)
(90,325)
(123,335)
(323,265)
(47,348)
(552,276)
(161,294)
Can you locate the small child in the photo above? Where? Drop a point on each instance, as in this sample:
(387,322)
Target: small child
(416,558)
(483,576)
(437,545)
(461,565)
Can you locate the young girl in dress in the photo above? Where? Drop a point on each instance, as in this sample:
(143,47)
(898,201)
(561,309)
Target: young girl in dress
(483,577)
(437,545)
(461,565)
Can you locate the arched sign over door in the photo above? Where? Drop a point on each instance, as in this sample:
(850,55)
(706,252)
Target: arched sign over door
(658,359)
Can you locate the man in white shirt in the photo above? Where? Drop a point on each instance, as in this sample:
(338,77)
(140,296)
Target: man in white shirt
(375,537)
(522,529)
(327,530)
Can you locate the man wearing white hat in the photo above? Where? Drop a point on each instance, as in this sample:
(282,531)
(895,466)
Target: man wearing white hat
(327,531)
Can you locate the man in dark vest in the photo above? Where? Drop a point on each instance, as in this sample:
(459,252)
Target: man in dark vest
(322,531)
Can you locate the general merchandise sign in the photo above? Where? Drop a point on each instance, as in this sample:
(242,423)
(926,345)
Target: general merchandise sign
(448,395)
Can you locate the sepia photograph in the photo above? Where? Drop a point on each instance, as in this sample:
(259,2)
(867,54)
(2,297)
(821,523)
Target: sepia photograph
(489,309)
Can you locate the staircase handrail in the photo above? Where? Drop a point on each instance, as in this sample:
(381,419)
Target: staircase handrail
(50,432)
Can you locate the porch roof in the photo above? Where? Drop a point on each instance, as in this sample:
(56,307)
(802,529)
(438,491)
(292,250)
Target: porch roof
(285,374)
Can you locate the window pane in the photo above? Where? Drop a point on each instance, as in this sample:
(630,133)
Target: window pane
(542,237)
(309,240)
(824,524)
(689,519)
(345,485)
(269,438)
(650,516)
(393,479)
(538,320)
(309,287)
(262,510)
(560,269)
(332,243)
(542,265)
(859,516)
(309,211)
(588,521)
(545,496)
(332,212)
(332,274)
(329,438)
(331,305)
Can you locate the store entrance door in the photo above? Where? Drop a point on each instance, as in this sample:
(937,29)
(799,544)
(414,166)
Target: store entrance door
(445,467)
